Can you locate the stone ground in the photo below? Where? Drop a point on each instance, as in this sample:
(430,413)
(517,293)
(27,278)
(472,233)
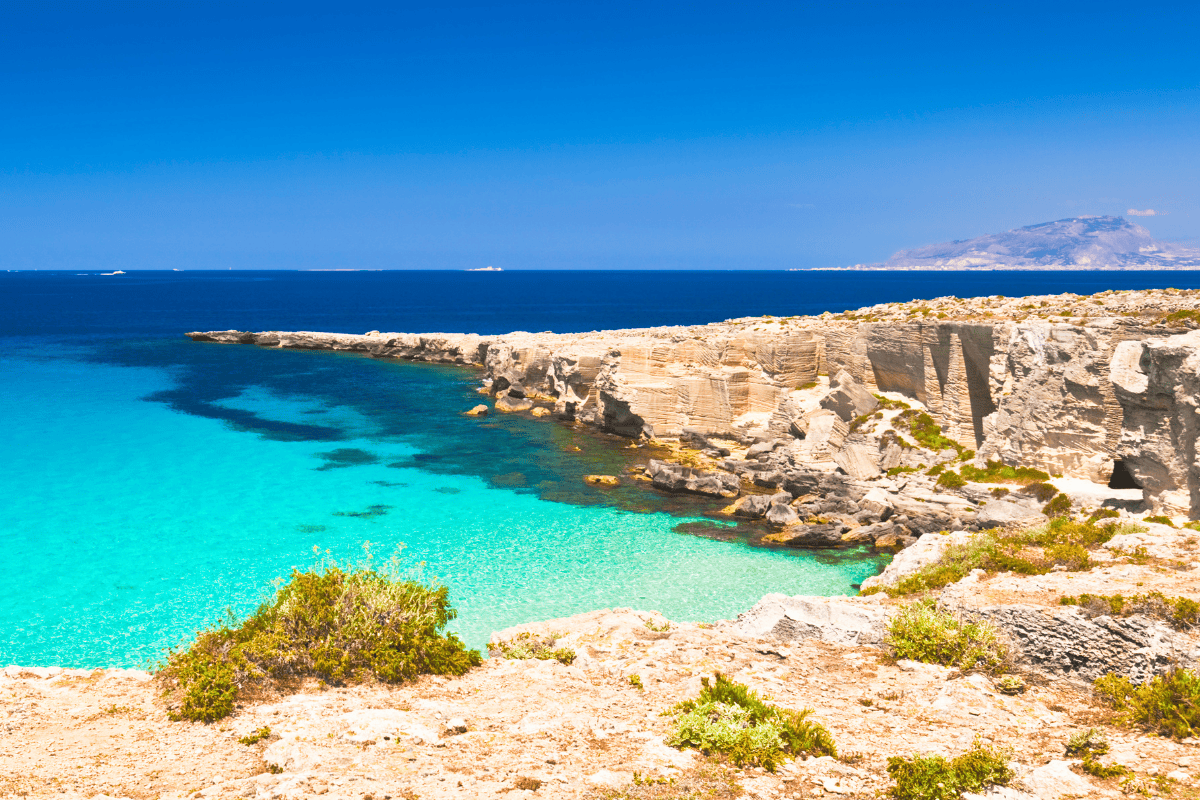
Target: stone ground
(539,729)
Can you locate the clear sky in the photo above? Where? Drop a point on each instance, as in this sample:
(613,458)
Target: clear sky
(578,135)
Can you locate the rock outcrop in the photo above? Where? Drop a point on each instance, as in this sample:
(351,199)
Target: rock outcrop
(1157,382)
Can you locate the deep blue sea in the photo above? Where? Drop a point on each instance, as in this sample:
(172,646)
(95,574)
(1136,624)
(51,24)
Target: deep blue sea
(148,483)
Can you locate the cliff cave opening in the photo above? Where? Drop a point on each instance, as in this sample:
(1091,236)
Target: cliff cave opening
(1122,478)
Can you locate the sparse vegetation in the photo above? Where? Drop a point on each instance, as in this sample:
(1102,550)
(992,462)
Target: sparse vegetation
(1166,704)
(338,623)
(926,431)
(1088,741)
(1161,520)
(892,405)
(1059,542)
(923,632)
(1182,613)
(254,737)
(809,385)
(730,719)
(894,471)
(999,472)
(1010,684)
(931,777)
(1183,318)
(528,645)
(636,682)
(710,780)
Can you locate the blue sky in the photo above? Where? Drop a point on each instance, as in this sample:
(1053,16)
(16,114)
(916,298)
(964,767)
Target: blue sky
(575,135)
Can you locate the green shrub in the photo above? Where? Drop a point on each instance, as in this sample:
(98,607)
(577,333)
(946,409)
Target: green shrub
(936,469)
(1044,492)
(1161,520)
(1103,513)
(999,472)
(926,431)
(341,624)
(1083,743)
(1181,612)
(934,778)
(998,491)
(1194,526)
(636,682)
(894,471)
(1167,704)
(950,480)
(1103,771)
(922,632)
(527,645)
(730,719)
(1059,506)
(1010,684)
(892,405)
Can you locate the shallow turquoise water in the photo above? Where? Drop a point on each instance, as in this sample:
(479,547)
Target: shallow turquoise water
(146,486)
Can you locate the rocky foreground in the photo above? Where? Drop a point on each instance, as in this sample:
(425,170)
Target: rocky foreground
(595,728)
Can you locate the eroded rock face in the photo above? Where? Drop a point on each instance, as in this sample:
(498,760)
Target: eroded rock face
(1157,382)
(677,478)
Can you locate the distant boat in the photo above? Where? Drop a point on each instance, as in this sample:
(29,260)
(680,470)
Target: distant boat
(486,269)
(118,272)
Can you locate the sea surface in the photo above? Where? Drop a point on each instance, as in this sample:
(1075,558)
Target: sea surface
(148,483)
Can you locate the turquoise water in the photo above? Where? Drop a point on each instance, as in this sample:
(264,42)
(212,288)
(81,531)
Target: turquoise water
(148,485)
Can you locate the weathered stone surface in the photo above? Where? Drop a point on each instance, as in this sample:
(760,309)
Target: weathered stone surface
(478,411)
(781,514)
(848,398)
(838,620)
(1157,382)
(677,478)
(1005,511)
(602,480)
(818,535)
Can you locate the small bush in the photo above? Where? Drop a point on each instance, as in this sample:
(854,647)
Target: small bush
(636,682)
(1181,612)
(1167,704)
(922,632)
(998,491)
(1103,513)
(1102,771)
(950,480)
(1059,506)
(341,624)
(936,469)
(1091,741)
(934,778)
(1010,684)
(1161,520)
(527,645)
(730,719)
(894,471)
(1044,492)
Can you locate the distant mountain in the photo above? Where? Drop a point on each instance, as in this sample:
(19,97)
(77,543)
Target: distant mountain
(1075,243)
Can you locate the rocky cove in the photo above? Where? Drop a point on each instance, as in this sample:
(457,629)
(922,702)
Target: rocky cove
(820,432)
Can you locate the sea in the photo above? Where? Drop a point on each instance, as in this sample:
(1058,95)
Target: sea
(151,486)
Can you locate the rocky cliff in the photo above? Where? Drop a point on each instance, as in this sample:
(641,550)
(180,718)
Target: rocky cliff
(1027,381)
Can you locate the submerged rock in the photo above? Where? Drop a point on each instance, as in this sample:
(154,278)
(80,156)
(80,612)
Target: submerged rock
(678,478)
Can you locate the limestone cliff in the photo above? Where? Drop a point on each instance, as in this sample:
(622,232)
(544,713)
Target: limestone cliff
(1023,380)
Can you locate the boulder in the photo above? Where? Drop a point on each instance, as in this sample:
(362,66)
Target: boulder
(508,405)
(848,398)
(859,461)
(540,411)
(602,480)
(781,514)
(828,534)
(878,503)
(478,411)
(761,449)
(753,506)
(693,437)
(678,478)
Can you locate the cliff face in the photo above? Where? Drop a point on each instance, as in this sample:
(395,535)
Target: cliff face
(1021,386)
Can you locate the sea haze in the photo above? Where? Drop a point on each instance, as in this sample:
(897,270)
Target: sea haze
(149,482)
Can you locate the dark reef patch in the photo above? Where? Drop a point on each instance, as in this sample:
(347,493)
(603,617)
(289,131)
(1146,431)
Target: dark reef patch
(310,528)
(389,484)
(448,490)
(345,457)
(377,510)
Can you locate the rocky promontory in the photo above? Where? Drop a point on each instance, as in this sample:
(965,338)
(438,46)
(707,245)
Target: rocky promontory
(1095,389)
